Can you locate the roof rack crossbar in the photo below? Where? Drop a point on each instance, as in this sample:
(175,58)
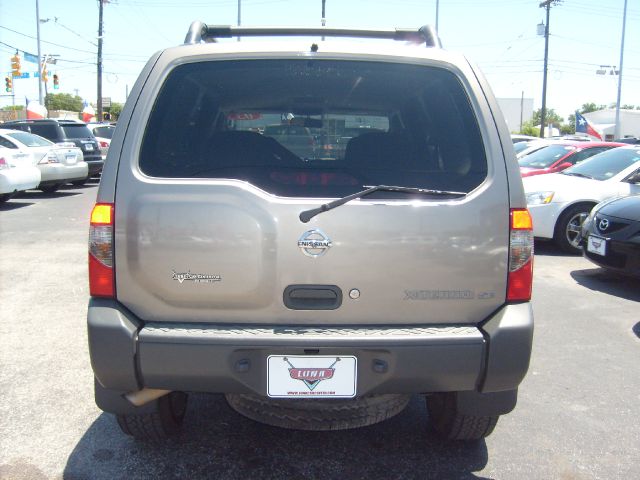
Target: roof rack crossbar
(200,32)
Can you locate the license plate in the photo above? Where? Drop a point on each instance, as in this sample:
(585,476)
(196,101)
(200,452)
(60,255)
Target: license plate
(88,147)
(71,158)
(311,376)
(597,245)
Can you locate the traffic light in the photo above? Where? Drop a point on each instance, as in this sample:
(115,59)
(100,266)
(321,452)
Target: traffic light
(45,77)
(55,81)
(8,84)
(15,66)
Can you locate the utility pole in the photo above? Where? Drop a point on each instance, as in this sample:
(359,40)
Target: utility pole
(323,18)
(543,111)
(239,16)
(616,133)
(437,13)
(40,64)
(101,2)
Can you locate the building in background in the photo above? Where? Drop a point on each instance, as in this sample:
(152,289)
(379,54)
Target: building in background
(516,111)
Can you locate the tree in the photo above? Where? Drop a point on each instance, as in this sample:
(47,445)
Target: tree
(13,107)
(551,117)
(115,110)
(63,101)
(528,128)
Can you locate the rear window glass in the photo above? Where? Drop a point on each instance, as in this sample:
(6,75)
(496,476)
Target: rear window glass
(315,128)
(29,139)
(103,132)
(76,131)
(49,131)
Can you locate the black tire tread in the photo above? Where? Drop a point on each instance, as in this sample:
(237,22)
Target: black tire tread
(158,424)
(318,414)
(452,425)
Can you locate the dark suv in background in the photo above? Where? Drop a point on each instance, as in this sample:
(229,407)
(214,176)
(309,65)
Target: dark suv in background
(59,131)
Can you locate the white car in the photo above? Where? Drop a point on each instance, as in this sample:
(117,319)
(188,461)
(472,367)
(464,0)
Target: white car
(58,163)
(17,173)
(103,133)
(559,202)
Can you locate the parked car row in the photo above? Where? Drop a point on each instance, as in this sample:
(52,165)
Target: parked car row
(46,154)
(610,235)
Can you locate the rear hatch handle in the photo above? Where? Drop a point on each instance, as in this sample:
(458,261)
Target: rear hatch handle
(307,215)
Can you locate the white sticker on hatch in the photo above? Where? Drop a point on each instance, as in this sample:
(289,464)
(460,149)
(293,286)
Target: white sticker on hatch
(195,277)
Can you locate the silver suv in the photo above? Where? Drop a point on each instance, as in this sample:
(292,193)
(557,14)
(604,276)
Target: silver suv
(341,283)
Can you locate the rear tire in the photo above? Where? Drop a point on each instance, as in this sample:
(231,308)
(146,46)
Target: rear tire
(79,183)
(318,414)
(568,228)
(50,188)
(164,421)
(450,424)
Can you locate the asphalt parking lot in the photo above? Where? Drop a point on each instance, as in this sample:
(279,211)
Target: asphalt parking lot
(577,416)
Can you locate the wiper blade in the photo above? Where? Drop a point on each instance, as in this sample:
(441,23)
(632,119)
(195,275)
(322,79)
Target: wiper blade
(574,174)
(309,214)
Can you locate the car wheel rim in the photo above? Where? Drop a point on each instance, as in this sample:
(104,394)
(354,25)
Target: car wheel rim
(573,229)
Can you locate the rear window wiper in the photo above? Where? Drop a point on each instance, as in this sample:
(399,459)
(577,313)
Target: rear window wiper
(309,214)
(575,174)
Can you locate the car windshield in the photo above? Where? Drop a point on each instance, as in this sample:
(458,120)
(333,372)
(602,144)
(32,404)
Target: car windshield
(545,157)
(521,146)
(606,164)
(79,130)
(321,128)
(29,139)
(104,132)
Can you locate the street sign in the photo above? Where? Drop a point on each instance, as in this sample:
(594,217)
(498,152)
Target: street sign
(106,102)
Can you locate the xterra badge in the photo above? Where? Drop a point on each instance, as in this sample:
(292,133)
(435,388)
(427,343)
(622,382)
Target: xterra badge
(195,277)
(314,243)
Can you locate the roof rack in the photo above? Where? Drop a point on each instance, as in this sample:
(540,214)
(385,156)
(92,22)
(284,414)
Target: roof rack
(201,32)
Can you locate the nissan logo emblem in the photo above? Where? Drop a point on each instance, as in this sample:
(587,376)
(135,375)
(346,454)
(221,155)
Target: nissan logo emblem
(314,243)
(603,224)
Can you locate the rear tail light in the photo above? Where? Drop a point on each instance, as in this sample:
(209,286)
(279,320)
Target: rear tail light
(103,144)
(4,164)
(101,272)
(520,277)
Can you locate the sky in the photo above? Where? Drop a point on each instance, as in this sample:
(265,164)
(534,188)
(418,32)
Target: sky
(498,35)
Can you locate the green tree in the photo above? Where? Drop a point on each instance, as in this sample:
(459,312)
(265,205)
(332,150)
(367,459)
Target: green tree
(14,107)
(63,101)
(115,110)
(551,117)
(528,128)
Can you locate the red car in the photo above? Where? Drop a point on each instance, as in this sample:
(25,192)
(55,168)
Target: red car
(560,155)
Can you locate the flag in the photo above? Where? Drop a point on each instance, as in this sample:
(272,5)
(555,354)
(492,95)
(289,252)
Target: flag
(88,113)
(583,126)
(35,110)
